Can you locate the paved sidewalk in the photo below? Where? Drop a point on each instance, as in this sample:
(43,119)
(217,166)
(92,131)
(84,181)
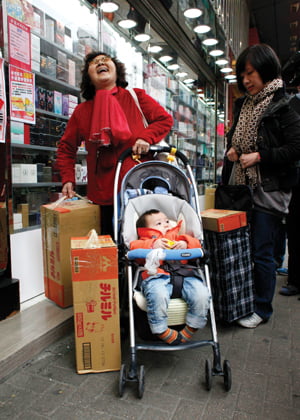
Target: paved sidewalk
(265,366)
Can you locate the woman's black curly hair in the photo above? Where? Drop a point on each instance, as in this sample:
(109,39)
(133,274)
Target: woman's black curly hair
(86,86)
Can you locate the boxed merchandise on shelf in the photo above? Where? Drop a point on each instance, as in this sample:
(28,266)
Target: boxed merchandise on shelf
(57,102)
(62,72)
(24,173)
(49,100)
(59,34)
(35,53)
(96,304)
(59,224)
(49,24)
(71,72)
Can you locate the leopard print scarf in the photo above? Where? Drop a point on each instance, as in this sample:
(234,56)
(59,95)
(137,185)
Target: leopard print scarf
(245,134)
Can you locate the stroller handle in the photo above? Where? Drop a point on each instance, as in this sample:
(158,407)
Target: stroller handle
(158,149)
(170,254)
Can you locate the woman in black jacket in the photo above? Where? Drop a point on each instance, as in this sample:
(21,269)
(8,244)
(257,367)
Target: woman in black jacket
(263,145)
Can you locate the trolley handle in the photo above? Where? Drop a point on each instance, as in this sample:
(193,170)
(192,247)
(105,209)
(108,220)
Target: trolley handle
(157,149)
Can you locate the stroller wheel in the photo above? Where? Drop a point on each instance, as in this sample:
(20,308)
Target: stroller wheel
(208,375)
(227,375)
(122,380)
(141,381)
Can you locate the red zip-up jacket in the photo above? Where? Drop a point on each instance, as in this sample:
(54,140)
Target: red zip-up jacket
(148,236)
(101,162)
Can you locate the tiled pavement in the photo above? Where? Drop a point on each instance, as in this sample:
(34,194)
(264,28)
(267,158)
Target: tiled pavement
(265,366)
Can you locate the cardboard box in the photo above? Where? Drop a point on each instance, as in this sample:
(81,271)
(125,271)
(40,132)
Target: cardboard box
(223,220)
(59,224)
(96,305)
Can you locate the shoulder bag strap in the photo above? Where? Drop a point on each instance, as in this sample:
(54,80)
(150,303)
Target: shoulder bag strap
(135,98)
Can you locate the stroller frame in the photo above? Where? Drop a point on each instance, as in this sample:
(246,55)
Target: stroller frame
(136,373)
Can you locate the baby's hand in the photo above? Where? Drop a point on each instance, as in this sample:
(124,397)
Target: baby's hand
(180,245)
(160,243)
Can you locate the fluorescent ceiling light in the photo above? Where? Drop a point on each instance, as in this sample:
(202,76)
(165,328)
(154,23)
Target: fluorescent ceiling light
(202,29)
(226,70)
(127,23)
(221,62)
(192,13)
(210,41)
(154,48)
(216,53)
(174,66)
(109,7)
(142,37)
(181,74)
(165,58)
(230,77)
(188,81)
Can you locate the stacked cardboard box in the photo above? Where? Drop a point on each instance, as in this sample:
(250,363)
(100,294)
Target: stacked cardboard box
(58,225)
(96,305)
(223,220)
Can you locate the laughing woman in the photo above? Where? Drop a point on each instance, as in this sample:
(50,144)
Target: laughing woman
(109,122)
(263,144)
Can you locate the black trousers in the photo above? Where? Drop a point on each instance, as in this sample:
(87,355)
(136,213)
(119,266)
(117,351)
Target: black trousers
(106,215)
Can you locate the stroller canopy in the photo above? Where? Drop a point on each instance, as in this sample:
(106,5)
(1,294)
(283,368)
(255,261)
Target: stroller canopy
(158,174)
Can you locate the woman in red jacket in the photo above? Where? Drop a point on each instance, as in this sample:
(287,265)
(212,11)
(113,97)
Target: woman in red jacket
(109,122)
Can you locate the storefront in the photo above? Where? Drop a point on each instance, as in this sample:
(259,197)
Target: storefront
(179,60)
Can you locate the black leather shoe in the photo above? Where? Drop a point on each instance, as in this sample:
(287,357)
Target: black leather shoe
(289,290)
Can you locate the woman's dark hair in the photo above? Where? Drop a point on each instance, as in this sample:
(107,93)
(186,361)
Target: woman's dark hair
(86,86)
(141,221)
(265,61)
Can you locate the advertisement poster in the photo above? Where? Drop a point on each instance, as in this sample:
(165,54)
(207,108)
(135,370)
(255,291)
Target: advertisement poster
(21,84)
(19,44)
(2,103)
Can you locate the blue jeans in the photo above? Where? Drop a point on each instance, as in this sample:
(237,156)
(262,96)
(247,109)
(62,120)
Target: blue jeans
(265,229)
(158,290)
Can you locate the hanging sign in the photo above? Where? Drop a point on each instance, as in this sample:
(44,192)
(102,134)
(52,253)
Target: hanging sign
(19,43)
(21,86)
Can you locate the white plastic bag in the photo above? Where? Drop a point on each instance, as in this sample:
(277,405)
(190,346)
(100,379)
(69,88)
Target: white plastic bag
(153,260)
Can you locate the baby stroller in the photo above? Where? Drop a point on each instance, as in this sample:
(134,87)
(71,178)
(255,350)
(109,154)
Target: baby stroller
(161,185)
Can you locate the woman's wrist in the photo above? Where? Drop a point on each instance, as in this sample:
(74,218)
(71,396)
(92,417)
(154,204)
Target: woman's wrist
(258,158)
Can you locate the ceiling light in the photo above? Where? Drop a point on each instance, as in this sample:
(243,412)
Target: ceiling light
(226,70)
(127,23)
(165,58)
(142,37)
(210,41)
(230,77)
(154,48)
(216,53)
(202,29)
(109,6)
(192,13)
(172,67)
(181,74)
(221,62)
(188,81)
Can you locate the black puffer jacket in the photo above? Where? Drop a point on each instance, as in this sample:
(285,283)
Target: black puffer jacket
(278,143)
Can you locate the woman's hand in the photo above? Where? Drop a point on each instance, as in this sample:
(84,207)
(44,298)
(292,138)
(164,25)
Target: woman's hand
(232,155)
(140,147)
(68,190)
(249,159)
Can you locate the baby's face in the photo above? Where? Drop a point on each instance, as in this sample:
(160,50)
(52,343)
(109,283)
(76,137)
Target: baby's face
(158,221)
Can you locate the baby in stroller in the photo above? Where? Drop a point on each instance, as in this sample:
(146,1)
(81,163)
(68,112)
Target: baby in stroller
(156,232)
